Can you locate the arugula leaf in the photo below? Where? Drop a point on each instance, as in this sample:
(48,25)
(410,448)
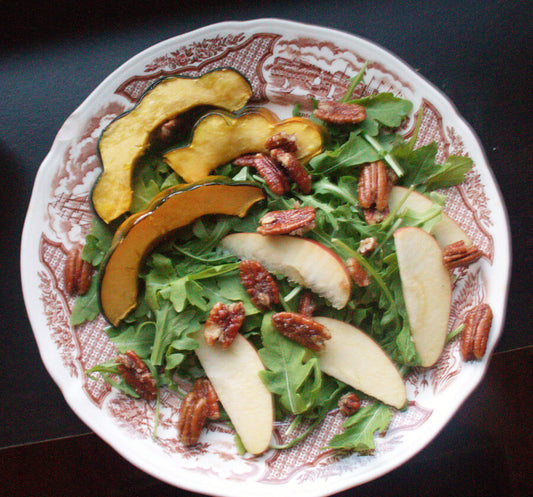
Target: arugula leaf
(451,173)
(138,338)
(293,372)
(382,109)
(359,429)
(422,171)
(97,242)
(86,307)
(353,152)
(417,164)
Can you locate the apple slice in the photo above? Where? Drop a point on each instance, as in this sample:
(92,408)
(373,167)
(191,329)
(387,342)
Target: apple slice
(302,260)
(234,374)
(427,290)
(354,358)
(445,231)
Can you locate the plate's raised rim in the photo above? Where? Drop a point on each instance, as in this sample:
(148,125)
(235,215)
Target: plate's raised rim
(108,432)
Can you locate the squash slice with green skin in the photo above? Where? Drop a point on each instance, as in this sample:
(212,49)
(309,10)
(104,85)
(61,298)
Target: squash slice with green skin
(174,208)
(127,137)
(220,137)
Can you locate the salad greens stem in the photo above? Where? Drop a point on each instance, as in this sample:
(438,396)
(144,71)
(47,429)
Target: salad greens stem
(386,155)
(354,82)
(371,272)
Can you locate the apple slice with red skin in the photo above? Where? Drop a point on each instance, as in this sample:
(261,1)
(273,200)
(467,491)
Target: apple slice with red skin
(234,374)
(427,290)
(351,356)
(446,231)
(302,260)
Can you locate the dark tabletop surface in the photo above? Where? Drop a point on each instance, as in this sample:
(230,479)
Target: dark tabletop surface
(53,54)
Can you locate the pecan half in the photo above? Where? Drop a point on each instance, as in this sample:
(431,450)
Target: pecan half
(307,305)
(288,222)
(458,254)
(475,334)
(358,274)
(294,168)
(137,375)
(282,140)
(349,403)
(301,329)
(267,168)
(373,191)
(223,323)
(77,273)
(192,418)
(367,246)
(205,389)
(340,112)
(259,284)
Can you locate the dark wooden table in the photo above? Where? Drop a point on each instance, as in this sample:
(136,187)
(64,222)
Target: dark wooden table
(479,53)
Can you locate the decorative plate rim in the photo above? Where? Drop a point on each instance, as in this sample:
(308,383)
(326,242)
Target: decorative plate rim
(104,427)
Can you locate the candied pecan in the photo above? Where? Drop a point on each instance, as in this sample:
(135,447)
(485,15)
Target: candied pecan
(246,160)
(349,403)
(301,329)
(282,140)
(78,273)
(459,254)
(294,168)
(137,375)
(357,273)
(474,336)
(223,323)
(367,245)
(205,389)
(340,112)
(192,418)
(259,284)
(267,168)
(373,191)
(307,305)
(288,222)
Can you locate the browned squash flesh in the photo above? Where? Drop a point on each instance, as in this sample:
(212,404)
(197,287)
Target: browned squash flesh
(139,234)
(128,136)
(219,137)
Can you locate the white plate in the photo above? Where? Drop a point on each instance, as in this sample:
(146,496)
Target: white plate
(286,62)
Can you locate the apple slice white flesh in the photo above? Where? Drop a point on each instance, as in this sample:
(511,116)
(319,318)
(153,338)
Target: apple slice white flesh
(234,374)
(427,290)
(354,358)
(302,260)
(446,231)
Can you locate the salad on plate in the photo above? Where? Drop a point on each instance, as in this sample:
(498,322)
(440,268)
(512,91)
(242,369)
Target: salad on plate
(264,269)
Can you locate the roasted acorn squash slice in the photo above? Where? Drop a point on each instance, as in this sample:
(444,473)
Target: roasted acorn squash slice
(136,237)
(128,136)
(219,137)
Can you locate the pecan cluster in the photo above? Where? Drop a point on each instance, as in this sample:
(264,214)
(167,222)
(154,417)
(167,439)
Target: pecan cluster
(77,273)
(458,254)
(280,166)
(259,284)
(375,183)
(288,222)
(358,274)
(475,334)
(307,305)
(223,323)
(200,404)
(136,374)
(340,112)
(349,403)
(301,329)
